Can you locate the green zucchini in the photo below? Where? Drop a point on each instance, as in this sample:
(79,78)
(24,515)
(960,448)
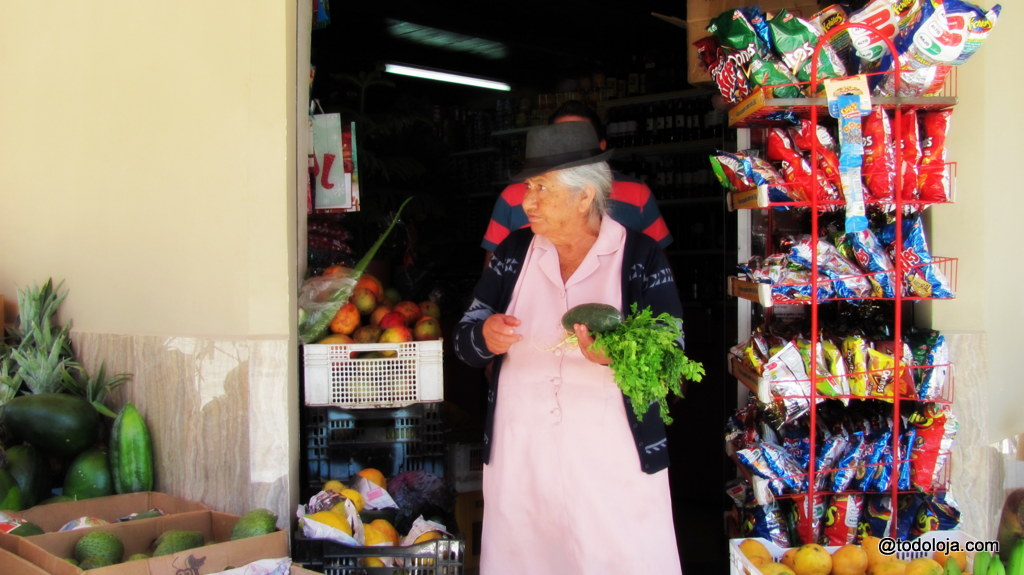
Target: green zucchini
(598,317)
(131,452)
(60,424)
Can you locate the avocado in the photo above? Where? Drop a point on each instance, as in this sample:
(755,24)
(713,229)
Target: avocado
(259,521)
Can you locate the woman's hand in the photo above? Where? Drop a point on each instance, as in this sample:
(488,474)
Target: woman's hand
(585,341)
(500,333)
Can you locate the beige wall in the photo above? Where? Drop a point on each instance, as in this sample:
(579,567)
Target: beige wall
(147,159)
(983,228)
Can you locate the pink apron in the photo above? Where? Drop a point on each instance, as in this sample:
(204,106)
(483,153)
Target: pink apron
(563,492)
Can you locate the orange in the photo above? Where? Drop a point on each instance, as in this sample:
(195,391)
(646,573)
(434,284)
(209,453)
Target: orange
(894,567)
(356,497)
(333,485)
(812,559)
(787,557)
(755,551)
(335,520)
(775,569)
(428,536)
(346,320)
(849,560)
(374,476)
(373,536)
(387,529)
(875,557)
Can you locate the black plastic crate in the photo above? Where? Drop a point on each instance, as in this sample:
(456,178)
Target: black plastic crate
(437,557)
(339,443)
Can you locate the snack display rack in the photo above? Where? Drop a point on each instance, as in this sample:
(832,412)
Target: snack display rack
(761,111)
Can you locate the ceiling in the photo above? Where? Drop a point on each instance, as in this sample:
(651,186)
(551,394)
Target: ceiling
(545,41)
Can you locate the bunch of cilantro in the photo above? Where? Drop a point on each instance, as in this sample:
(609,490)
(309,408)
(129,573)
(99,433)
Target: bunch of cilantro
(645,360)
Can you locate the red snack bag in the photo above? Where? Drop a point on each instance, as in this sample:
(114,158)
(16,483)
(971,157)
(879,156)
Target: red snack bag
(807,518)
(879,167)
(726,69)
(933,182)
(805,136)
(841,518)
(796,169)
(924,456)
(910,146)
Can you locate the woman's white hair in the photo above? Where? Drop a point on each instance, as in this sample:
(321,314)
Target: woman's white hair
(598,175)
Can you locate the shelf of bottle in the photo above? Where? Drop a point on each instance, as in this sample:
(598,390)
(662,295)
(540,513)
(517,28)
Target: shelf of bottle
(761,109)
(511,132)
(665,148)
(656,97)
(800,293)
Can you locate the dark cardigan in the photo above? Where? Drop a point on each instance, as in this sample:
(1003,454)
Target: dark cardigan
(647,280)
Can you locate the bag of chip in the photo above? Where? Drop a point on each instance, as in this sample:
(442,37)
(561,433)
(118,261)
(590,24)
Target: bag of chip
(842,515)
(727,70)
(933,181)
(769,73)
(794,40)
(910,155)
(879,167)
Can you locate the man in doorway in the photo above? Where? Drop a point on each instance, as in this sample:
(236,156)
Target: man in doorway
(631,202)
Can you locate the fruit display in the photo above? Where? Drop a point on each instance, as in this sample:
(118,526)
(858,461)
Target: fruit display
(322,297)
(101,547)
(867,559)
(377,511)
(60,438)
(373,314)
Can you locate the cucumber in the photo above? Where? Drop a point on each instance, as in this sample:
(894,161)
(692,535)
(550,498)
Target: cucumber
(88,476)
(598,317)
(131,452)
(60,424)
(31,470)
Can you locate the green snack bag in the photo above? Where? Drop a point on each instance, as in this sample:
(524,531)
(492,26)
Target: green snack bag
(770,73)
(794,40)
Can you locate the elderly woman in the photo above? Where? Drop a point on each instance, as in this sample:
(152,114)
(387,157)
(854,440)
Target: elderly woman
(573,482)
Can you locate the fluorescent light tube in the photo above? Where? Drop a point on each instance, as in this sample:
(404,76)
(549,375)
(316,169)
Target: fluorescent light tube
(440,76)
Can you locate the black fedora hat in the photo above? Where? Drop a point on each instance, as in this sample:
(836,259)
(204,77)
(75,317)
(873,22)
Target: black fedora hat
(560,146)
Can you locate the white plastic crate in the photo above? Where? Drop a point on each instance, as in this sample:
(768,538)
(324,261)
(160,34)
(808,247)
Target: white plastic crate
(333,377)
(740,565)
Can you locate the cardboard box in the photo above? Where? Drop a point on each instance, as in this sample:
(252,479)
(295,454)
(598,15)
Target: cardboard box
(11,563)
(700,12)
(53,516)
(49,551)
(469,516)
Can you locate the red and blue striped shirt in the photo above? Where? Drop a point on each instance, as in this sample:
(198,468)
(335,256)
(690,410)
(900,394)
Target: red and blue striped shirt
(631,204)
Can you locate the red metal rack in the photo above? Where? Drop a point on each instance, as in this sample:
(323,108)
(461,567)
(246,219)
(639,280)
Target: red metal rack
(761,110)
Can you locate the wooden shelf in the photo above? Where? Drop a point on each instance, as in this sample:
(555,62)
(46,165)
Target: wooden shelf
(744,374)
(751,291)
